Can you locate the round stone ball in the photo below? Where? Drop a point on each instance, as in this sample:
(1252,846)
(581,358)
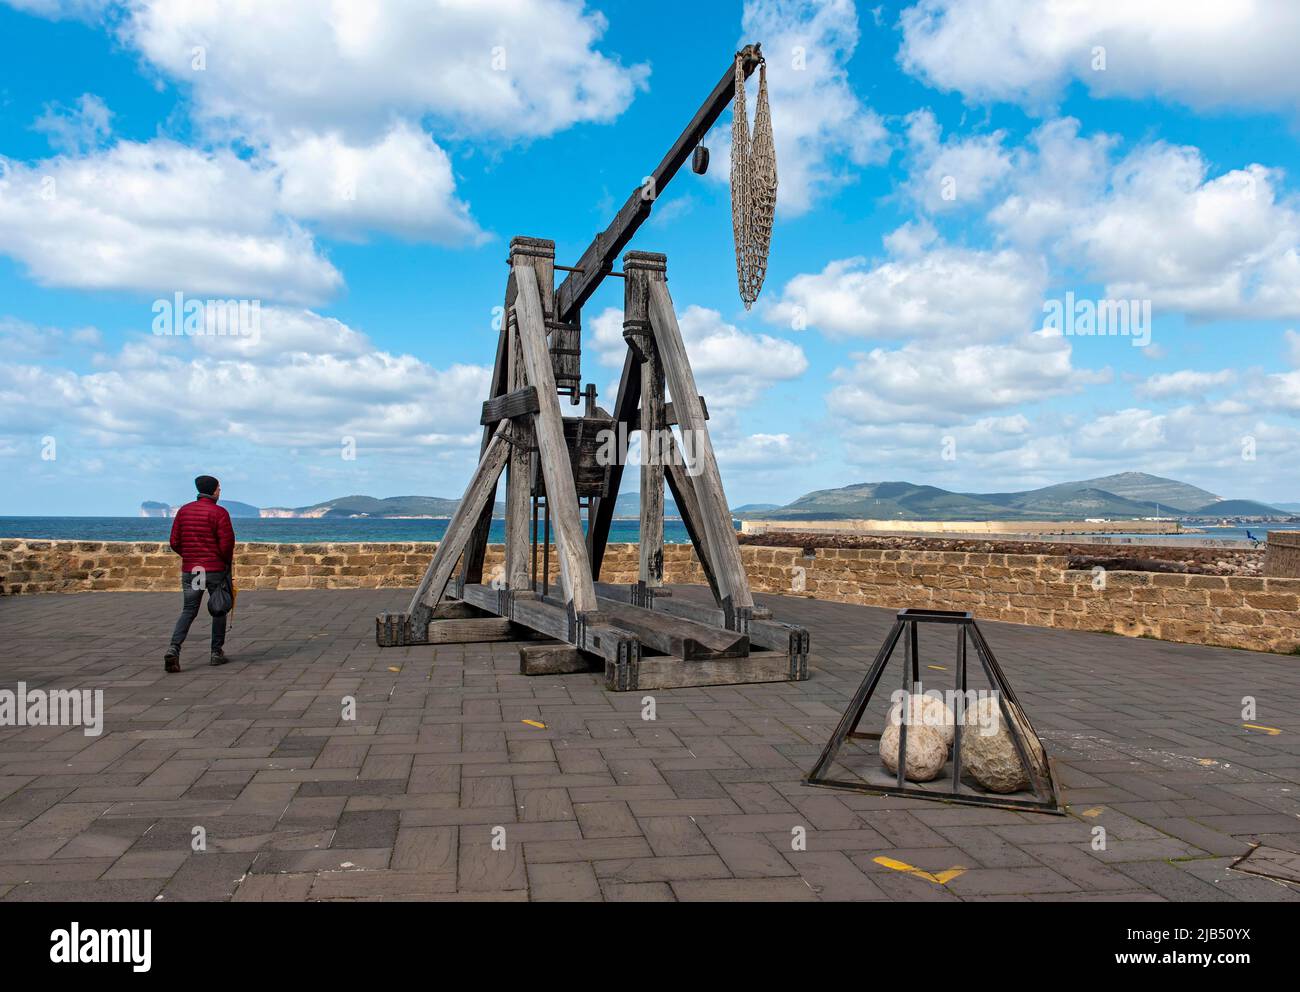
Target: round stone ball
(988,752)
(929,736)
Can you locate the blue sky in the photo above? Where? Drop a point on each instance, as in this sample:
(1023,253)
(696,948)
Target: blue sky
(946,169)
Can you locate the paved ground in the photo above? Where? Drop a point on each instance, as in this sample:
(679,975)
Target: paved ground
(702,803)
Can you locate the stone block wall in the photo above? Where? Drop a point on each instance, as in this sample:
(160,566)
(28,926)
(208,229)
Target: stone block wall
(1230,611)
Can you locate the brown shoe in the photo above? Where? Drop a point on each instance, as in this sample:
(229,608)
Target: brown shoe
(172,659)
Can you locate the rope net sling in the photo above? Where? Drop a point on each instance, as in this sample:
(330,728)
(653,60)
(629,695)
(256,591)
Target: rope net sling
(753,185)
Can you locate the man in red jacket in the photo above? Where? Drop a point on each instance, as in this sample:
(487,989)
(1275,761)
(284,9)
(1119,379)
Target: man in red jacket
(205,540)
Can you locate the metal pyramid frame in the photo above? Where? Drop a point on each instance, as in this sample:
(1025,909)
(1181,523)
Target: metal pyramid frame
(1041,778)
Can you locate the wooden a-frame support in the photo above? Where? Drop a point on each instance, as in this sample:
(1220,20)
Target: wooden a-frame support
(644,638)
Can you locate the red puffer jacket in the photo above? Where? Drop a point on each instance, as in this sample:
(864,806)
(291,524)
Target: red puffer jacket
(203,537)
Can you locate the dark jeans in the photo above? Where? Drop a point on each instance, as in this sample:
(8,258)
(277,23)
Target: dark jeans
(193,597)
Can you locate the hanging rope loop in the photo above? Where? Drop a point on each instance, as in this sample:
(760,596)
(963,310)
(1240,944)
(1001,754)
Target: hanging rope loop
(753,184)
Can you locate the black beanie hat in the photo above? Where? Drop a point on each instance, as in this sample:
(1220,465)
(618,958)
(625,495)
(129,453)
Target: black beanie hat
(206,485)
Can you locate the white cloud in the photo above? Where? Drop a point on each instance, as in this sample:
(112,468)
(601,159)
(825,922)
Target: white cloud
(732,367)
(952,174)
(309,382)
(1186,382)
(156,217)
(402,183)
(1156,226)
(820,127)
(1203,54)
(1292,340)
(923,385)
(76,129)
(518,68)
(947,292)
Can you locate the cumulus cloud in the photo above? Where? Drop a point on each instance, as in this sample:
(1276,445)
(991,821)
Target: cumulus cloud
(1186,382)
(76,129)
(921,384)
(956,173)
(518,68)
(947,292)
(402,183)
(732,367)
(307,381)
(822,131)
(1155,225)
(157,216)
(1205,55)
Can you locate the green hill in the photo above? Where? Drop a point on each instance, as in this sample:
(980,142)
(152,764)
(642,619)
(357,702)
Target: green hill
(1127,495)
(1238,508)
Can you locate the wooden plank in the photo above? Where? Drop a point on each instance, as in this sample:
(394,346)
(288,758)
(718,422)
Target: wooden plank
(480,630)
(763,630)
(592,634)
(480,491)
(638,269)
(670,673)
(688,508)
(555,659)
(598,260)
(518,403)
(702,464)
(676,636)
(562,498)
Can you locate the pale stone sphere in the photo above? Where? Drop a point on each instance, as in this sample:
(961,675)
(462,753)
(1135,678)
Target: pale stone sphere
(991,758)
(929,736)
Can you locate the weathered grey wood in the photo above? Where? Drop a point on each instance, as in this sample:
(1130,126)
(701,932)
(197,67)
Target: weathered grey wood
(455,609)
(519,479)
(638,269)
(553,452)
(763,630)
(519,402)
(676,636)
(702,464)
(555,659)
(480,491)
(480,630)
(669,673)
(688,508)
(593,633)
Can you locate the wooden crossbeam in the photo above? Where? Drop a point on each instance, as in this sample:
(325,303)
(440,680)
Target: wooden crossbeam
(517,403)
(702,464)
(552,450)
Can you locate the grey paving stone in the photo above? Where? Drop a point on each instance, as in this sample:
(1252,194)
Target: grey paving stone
(702,803)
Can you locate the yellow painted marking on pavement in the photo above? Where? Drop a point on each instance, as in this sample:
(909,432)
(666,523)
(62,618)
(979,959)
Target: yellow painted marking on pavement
(1206,761)
(534,723)
(1271,731)
(393,668)
(937,668)
(938,878)
(1095,811)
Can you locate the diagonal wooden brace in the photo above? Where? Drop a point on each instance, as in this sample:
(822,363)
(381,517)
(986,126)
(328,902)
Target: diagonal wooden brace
(481,489)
